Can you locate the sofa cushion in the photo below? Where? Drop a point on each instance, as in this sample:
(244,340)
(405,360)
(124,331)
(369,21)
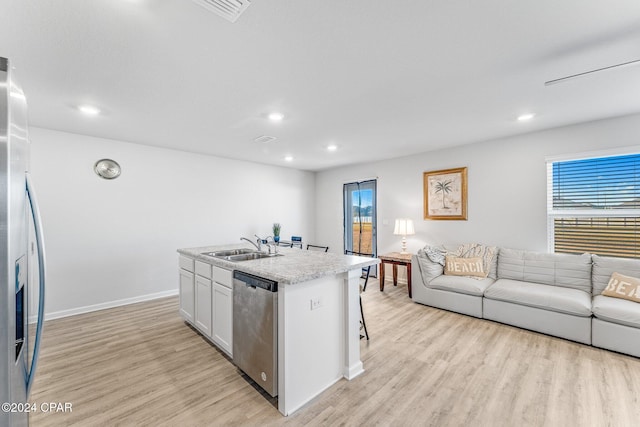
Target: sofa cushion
(461,285)
(625,287)
(489,255)
(455,266)
(617,310)
(537,295)
(434,253)
(565,270)
(430,269)
(604,267)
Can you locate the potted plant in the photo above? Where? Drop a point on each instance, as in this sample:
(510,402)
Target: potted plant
(276,231)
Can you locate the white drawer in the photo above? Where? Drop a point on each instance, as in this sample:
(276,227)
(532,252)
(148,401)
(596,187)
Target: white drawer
(222,276)
(203,269)
(185,263)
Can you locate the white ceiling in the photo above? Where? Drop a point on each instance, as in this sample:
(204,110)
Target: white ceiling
(378,78)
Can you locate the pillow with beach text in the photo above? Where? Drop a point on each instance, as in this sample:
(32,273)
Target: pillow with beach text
(621,286)
(455,266)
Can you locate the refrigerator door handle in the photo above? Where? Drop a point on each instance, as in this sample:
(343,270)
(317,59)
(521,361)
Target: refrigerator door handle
(35,214)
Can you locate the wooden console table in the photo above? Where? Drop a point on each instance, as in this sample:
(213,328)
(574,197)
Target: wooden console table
(395,259)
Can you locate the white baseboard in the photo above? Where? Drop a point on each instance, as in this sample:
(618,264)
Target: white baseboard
(103,306)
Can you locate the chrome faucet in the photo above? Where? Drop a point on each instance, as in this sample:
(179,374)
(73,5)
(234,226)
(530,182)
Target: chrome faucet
(275,248)
(271,244)
(258,245)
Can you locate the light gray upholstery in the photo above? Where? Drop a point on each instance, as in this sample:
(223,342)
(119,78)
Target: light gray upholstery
(554,298)
(453,301)
(616,337)
(616,325)
(617,310)
(461,284)
(575,328)
(604,267)
(429,270)
(556,294)
(493,272)
(564,270)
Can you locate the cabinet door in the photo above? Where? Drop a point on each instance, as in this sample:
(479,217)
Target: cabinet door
(223,317)
(203,305)
(187,295)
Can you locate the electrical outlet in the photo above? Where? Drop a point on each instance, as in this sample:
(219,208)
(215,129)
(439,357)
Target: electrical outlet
(315,303)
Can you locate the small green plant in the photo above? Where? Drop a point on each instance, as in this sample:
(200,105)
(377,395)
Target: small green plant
(276,229)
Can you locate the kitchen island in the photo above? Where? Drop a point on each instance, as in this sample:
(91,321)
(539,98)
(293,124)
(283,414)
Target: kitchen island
(318,319)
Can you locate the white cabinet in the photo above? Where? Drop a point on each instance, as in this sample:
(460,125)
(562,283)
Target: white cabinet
(203,297)
(203,305)
(187,300)
(206,300)
(223,317)
(187,289)
(222,332)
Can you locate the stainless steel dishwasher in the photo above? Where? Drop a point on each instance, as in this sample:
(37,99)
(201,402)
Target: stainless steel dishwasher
(255,329)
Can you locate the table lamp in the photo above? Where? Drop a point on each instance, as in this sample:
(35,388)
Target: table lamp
(404,228)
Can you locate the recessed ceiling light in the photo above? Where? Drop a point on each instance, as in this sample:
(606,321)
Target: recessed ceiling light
(89,110)
(288,158)
(525,117)
(332,147)
(276,117)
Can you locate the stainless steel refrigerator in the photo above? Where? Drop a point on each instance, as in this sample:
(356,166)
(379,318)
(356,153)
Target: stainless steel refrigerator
(19,218)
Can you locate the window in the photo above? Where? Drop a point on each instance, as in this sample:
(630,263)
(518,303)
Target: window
(593,205)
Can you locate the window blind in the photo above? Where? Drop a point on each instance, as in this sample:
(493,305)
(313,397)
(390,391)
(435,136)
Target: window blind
(594,206)
(601,183)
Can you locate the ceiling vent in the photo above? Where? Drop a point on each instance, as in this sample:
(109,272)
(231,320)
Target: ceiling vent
(228,9)
(264,139)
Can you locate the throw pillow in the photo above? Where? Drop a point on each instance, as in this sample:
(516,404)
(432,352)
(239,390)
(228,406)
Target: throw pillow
(621,286)
(487,253)
(455,266)
(435,254)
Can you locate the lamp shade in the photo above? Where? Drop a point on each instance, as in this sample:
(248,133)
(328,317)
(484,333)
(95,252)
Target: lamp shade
(404,227)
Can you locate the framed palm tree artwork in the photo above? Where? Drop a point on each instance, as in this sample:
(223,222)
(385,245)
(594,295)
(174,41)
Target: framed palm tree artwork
(445,194)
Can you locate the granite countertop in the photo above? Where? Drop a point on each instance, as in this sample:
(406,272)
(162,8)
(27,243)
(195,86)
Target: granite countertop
(294,266)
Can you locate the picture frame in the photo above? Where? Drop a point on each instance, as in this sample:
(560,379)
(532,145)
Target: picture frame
(445,194)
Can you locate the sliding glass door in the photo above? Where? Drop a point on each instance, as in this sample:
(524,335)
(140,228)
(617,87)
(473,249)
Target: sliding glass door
(360,217)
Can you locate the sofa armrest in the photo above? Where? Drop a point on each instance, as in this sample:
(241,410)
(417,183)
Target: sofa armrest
(426,268)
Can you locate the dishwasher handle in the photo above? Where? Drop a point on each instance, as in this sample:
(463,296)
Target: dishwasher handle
(255,281)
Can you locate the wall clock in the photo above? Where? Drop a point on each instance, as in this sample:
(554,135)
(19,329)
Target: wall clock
(107,169)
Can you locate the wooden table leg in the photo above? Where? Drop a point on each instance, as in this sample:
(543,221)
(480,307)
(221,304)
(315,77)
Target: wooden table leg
(409,278)
(381,276)
(395,274)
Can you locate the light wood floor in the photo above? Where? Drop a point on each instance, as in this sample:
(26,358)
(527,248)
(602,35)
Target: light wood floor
(140,365)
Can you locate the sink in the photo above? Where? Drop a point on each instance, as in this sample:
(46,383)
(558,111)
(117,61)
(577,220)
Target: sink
(230,252)
(236,255)
(249,256)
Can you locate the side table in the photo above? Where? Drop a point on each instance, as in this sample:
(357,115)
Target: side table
(395,259)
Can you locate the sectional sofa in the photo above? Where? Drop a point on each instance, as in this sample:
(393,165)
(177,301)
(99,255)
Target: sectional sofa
(556,294)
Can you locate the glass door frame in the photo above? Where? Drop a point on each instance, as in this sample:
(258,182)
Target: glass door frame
(348,222)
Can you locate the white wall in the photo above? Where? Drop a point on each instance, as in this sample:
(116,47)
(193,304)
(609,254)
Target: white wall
(109,241)
(506,187)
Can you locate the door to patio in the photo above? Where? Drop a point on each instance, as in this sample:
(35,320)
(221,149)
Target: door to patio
(360,217)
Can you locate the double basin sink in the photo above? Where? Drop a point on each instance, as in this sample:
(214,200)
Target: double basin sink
(236,255)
